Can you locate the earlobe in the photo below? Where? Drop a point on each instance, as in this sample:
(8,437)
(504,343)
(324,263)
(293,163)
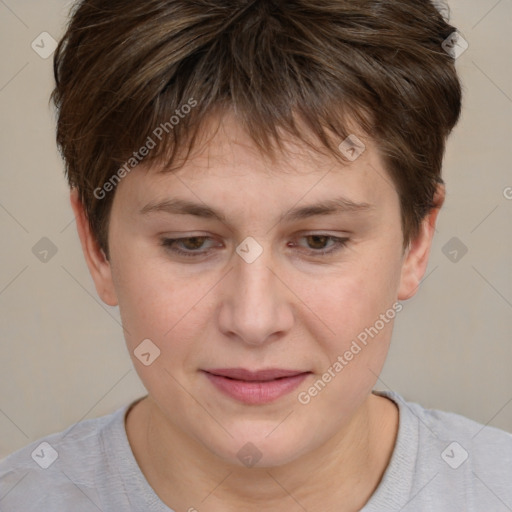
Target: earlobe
(411,270)
(97,262)
(416,257)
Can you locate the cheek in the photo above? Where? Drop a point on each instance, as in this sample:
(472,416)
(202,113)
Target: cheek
(170,308)
(359,309)
(353,318)
(160,309)
(151,300)
(353,297)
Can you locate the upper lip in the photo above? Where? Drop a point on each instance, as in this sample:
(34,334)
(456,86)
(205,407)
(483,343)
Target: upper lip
(244,374)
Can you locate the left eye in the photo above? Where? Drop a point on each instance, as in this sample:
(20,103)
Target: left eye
(193,245)
(318,242)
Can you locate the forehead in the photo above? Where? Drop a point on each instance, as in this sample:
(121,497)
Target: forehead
(223,140)
(226,166)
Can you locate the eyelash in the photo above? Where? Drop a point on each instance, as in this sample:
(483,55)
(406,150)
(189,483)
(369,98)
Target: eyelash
(169,244)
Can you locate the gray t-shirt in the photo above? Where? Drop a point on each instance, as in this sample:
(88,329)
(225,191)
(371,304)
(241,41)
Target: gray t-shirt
(441,462)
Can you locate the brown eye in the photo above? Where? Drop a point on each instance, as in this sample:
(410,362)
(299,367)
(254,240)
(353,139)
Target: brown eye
(322,244)
(193,243)
(191,246)
(318,241)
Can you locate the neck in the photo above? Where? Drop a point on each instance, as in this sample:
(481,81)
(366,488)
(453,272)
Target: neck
(185,474)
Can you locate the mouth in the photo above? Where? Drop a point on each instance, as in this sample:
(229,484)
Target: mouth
(255,387)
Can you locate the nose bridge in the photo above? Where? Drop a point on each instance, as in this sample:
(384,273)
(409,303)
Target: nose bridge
(254,307)
(255,280)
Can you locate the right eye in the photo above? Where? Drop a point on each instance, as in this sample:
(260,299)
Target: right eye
(192,245)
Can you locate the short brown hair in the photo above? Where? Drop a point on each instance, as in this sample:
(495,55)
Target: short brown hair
(125,67)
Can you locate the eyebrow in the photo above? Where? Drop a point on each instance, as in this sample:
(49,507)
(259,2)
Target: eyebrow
(175,206)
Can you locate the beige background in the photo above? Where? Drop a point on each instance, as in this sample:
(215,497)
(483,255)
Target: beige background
(62,354)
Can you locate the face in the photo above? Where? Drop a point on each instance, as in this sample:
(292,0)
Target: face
(256,278)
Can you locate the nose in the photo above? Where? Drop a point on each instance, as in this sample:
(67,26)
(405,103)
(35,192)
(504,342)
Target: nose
(256,306)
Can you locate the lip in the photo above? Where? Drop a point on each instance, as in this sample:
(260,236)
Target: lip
(255,387)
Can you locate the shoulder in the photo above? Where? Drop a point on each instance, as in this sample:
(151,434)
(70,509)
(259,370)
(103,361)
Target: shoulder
(485,446)
(449,461)
(59,469)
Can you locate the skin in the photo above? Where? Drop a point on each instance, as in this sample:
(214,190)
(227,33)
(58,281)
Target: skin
(290,308)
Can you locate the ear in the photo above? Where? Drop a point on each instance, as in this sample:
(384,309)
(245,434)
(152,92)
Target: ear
(416,258)
(98,264)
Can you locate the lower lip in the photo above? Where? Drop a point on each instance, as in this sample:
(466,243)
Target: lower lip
(255,393)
